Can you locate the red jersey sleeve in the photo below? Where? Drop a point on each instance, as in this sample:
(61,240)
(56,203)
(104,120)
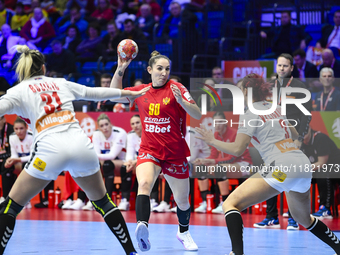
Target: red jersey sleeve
(185,93)
(136,88)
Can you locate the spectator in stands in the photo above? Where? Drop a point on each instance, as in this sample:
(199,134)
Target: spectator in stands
(109,143)
(72,39)
(137,82)
(180,31)
(131,6)
(35,4)
(8,177)
(103,14)
(323,154)
(81,4)
(286,38)
(38,30)
(146,21)
(329,98)
(5,14)
(330,61)
(10,4)
(61,62)
(49,7)
(107,105)
(4,85)
(134,33)
(90,49)
(116,6)
(74,19)
(331,35)
(111,40)
(7,42)
(19,19)
(217,75)
(304,70)
(314,54)
(61,6)
(156,9)
(222,133)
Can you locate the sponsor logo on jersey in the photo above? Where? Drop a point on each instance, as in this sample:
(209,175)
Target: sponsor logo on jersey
(166,100)
(54,119)
(148,156)
(279,175)
(286,145)
(39,164)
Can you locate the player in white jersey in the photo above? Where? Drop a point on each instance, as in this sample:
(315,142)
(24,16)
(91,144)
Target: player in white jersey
(109,143)
(59,143)
(20,142)
(287,168)
(133,144)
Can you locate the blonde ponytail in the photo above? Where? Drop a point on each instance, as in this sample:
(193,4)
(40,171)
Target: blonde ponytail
(29,64)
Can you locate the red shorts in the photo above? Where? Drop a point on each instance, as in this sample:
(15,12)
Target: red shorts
(177,168)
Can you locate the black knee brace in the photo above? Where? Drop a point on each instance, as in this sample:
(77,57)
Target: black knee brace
(108,169)
(104,205)
(9,206)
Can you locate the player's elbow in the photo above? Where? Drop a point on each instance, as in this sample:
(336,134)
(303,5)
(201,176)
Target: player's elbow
(239,151)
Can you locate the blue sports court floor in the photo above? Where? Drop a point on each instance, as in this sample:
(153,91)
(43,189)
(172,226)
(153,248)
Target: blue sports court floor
(55,237)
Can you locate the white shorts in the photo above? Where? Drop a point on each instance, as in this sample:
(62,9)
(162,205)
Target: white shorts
(70,150)
(291,171)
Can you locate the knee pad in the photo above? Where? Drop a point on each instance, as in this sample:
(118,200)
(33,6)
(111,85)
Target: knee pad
(104,205)
(221,179)
(108,168)
(124,175)
(9,206)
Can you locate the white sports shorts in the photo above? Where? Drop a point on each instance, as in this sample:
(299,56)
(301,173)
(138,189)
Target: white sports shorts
(291,171)
(70,150)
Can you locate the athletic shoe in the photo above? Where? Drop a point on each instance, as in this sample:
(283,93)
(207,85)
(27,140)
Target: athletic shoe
(153,204)
(174,209)
(292,225)
(285,215)
(202,208)
(88,206)
(77,205)
(218,209)
(187,241)
(124,205)
(133,253)
(231,253)
(2,199)
(43,204)
(162,207)
(323,213)
(142,236)
(268,223)
(67,204)
(28,205)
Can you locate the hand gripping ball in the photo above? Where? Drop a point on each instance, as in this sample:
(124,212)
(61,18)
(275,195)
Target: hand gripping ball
(127,49)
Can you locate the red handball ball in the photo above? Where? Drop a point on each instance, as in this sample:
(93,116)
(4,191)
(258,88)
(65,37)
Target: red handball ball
(127,49)
(119,108)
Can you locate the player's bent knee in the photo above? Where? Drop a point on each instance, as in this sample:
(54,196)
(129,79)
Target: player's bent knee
(105,205)
(10,207)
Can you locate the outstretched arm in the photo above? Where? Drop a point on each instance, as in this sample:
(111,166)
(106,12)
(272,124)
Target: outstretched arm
(117,79)
(236,148)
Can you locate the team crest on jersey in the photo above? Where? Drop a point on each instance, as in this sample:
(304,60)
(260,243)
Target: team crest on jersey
(166,100)
(107,146)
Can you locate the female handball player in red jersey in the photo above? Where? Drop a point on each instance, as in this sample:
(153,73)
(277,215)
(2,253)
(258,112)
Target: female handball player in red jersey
(163,148)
